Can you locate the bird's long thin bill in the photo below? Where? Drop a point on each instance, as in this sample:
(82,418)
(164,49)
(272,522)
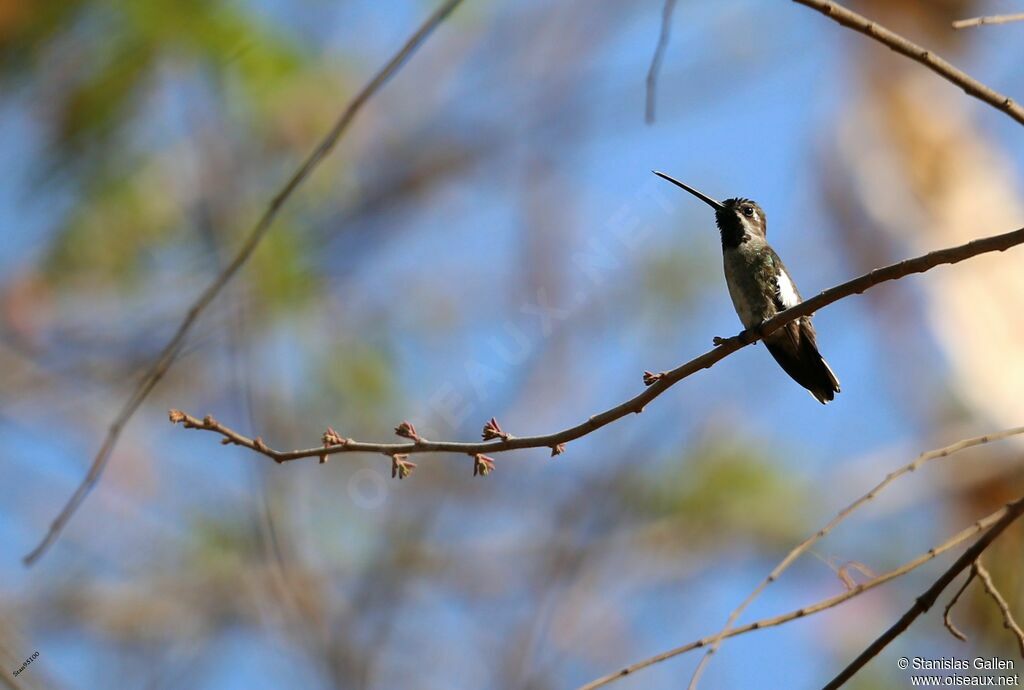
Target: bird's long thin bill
(703,197)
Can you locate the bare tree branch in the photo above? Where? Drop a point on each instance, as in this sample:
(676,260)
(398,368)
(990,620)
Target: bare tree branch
(659,55)
(820,606)
(657,383)
(1008,621)
(256,234)
(926,600)
(802,548)
(946,618)
(991,19)
(901,45)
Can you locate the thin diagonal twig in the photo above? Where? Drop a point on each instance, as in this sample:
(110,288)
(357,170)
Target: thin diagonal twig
(1008,620)
(256,234)
(659,55)
(926,600)
(991,19)
(947,620)
(802,548)
(831,602)
(901,45)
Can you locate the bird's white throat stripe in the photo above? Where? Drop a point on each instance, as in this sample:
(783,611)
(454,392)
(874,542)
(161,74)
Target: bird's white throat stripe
(787,293)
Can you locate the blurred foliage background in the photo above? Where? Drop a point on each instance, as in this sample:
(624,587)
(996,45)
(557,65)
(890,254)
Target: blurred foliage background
(488,240)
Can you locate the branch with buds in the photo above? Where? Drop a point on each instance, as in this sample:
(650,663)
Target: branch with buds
(928,598)
(497,440)
(1004,609)
(711,643)
(979,571)
(169,353)
(990,527)
(842,515)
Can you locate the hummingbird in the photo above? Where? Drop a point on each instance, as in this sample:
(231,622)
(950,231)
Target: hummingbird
(760,287)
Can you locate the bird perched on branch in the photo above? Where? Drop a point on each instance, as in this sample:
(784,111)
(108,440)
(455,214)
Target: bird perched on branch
(760,287)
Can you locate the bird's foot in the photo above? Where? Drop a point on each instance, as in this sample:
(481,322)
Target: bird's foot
(650,378)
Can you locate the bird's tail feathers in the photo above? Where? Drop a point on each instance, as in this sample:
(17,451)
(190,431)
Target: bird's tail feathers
(806,366)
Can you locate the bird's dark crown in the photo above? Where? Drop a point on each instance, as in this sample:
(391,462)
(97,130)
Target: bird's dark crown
(739,219)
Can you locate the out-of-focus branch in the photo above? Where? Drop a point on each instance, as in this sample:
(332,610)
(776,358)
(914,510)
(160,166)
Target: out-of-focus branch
(1008,620)
(901,45)
(979,570)
(498,441)
(947,619)
(842,515)
(659,55)
(256,234)
(831,602)
(991,19)
(925,601)
(12,683)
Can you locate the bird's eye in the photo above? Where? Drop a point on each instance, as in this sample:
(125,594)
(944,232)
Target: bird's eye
(748,211)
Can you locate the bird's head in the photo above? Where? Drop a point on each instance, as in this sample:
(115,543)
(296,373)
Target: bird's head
(737,219)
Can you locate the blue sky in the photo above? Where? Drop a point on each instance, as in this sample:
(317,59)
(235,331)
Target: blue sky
(747,95)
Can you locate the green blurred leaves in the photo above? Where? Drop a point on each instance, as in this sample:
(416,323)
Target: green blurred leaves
(726,486)
(109,235)
(102,75)
(222,546)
